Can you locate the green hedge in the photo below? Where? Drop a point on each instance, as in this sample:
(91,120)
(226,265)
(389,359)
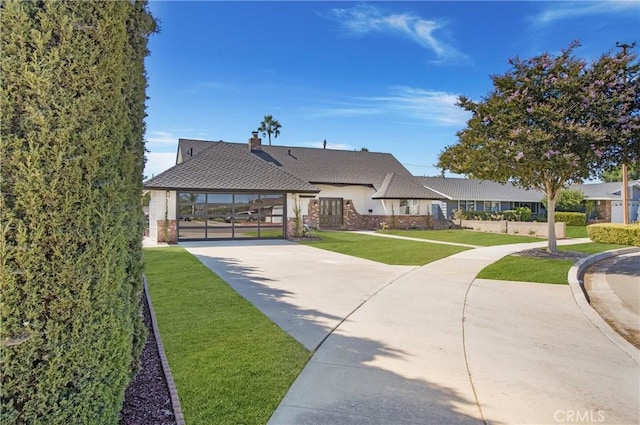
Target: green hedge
(72,156)
(519,214)
(615,233)
(571,218)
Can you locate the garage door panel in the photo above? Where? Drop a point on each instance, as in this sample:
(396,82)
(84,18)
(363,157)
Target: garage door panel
(228,216)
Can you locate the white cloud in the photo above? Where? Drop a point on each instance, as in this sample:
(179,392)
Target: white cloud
(567,10)
(347,111)
(408,103)
(161,138)
(363,19)
(425,105)
(158,162)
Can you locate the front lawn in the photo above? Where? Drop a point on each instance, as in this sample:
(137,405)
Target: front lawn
(521,268)
(230,363)
(576,232)
(528,269)
(469,237)
(383,250)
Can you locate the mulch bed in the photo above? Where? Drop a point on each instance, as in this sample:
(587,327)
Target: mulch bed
(147,400)
(543,253)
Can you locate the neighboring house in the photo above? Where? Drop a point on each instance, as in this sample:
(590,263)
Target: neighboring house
(480,195)
(220,190)
(607,198)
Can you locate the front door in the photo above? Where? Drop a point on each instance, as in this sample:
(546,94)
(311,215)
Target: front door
(330,212)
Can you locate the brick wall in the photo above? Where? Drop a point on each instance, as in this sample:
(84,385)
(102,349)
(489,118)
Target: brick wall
(352,220)
(604,211)
(172,231)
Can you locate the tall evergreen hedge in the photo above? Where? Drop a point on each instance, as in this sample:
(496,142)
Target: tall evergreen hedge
(72,101)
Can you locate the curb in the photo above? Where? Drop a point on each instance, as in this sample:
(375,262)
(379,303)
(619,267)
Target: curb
(576,282)
(173,392)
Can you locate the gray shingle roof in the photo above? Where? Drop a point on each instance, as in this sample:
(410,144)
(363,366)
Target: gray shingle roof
(232,166)
(604,191)
(334,166)
(188,148)
(480,190)
(228,166)
(396,186)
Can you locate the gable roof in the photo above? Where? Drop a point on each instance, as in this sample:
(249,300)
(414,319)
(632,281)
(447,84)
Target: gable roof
(188,148)
(228,166)
(604,191)
(456,188)
(233,166)
(334,166)
(396,186)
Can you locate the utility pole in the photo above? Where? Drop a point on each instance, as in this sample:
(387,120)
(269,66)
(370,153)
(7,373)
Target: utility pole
(625,173)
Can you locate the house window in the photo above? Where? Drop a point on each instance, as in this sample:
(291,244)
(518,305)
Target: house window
(410,206)
(467,205)
(492,206)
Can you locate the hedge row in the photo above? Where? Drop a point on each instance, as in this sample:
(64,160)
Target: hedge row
(628,234)
(571,218)
(518,214)
(72,156)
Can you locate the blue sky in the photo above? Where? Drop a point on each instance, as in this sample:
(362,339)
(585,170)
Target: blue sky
(380,75)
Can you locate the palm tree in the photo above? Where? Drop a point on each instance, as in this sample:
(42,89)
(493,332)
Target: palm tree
(270,126)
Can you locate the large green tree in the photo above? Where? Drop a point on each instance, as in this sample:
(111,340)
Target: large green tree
(615,175)
(72,156)
(269,126)
(551,121)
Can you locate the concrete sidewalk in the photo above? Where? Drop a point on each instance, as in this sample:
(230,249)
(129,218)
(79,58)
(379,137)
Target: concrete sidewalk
(431,345)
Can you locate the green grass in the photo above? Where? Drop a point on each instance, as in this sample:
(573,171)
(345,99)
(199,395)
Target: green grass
(464,236)
(591,247)
(231,364)
(383,250)
(528,269)
(542,270)
(576,232)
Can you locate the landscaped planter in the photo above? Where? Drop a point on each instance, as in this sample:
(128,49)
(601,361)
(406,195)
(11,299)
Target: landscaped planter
(514,227)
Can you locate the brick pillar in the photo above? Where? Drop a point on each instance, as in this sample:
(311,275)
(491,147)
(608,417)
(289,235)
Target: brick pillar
(172,231)
(312,219)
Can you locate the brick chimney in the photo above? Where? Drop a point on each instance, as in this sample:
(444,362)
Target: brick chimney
(255,143)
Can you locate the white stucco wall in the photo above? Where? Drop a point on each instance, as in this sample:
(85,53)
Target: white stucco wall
(303,203)
(361,198)
(359,195)
(392,206)
(157,203)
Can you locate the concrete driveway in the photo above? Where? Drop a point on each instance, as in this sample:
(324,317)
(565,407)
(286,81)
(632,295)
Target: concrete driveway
(306,291)
(431,344)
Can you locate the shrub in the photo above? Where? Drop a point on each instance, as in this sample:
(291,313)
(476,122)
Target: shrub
(569,200)
(628,234)
(571,218)
(73,107)
(519,214)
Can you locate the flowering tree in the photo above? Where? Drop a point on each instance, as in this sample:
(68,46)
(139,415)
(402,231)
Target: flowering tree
(550,121)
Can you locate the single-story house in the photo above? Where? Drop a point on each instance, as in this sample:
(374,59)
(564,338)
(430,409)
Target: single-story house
(480,195)
(220,190)
(484,195)
(608,200)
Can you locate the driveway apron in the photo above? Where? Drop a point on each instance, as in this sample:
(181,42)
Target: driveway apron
(430,345)
(306,291)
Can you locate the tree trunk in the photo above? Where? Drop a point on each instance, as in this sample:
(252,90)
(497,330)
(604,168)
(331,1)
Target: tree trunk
(552,245)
